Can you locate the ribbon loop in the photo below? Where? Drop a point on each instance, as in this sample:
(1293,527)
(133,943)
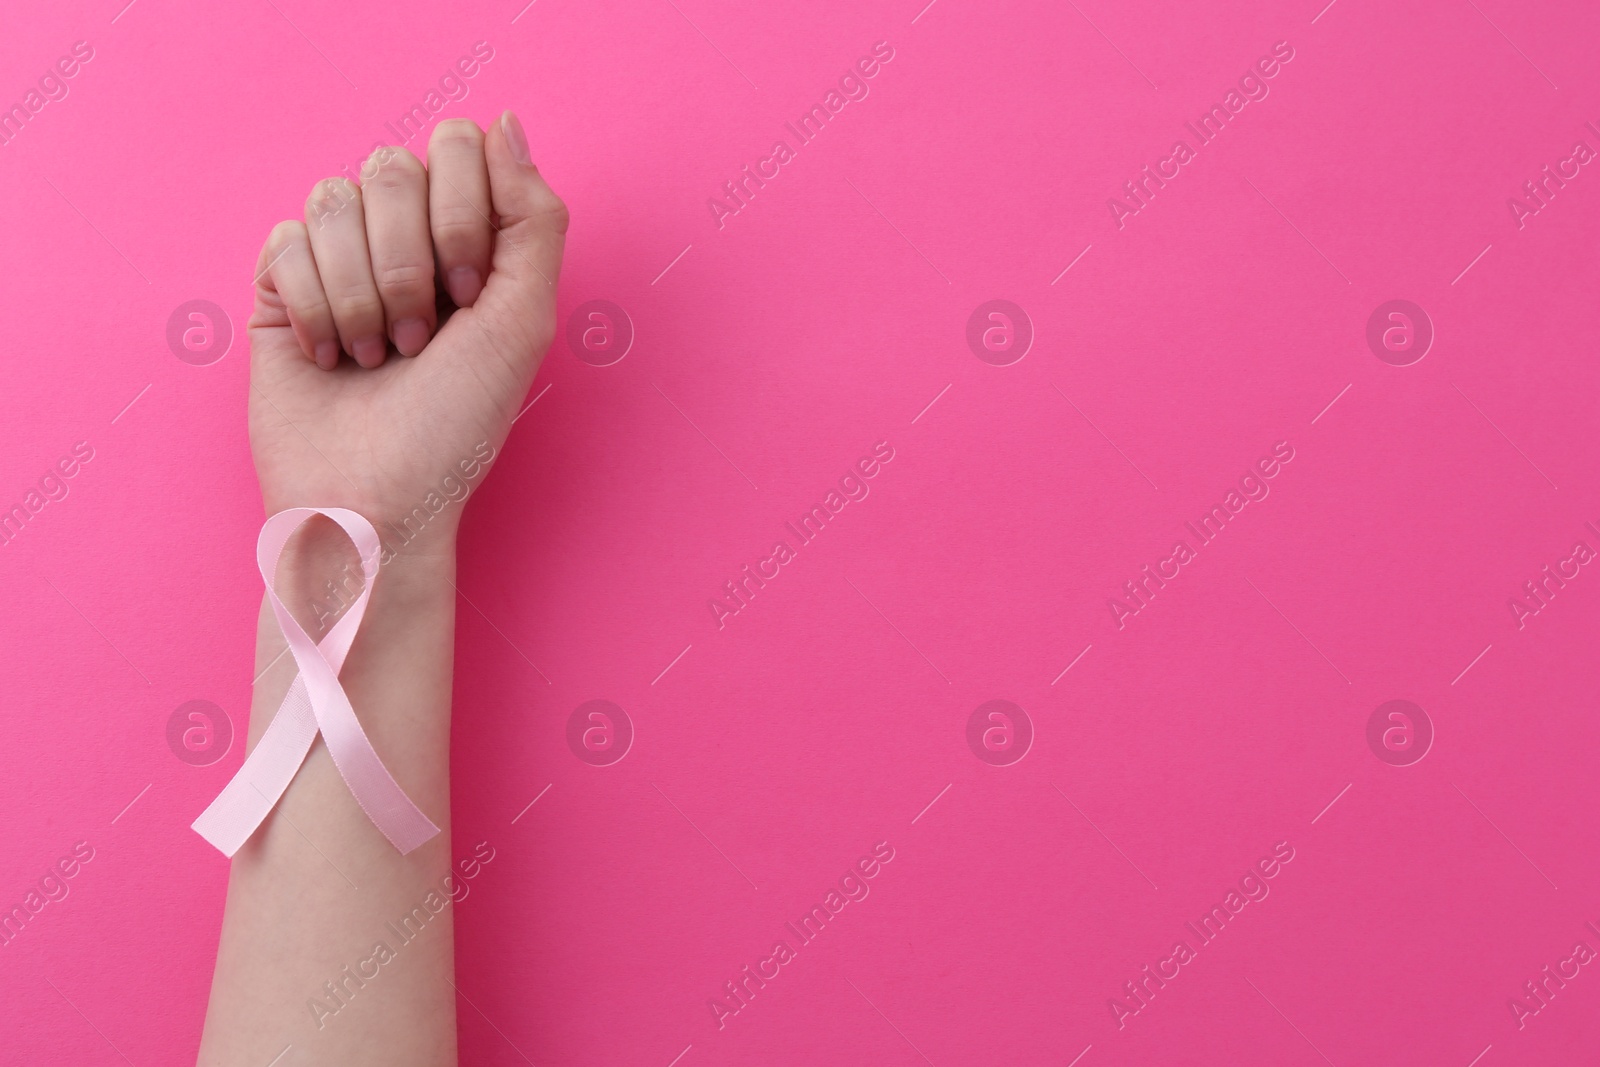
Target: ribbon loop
(315,702)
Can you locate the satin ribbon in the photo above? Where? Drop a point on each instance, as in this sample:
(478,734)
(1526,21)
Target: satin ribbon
(316,701)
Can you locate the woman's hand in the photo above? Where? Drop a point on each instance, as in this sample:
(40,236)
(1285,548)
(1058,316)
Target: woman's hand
(397,328)
(360,398)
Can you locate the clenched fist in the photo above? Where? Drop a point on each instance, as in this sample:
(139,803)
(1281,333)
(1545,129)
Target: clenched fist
(397,328)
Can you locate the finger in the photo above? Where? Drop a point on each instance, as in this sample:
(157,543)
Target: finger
(338,232)
(286,277)
(459,206)
(518,301)
(394,193)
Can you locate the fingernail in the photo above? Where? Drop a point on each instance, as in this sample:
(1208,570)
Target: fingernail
(464,284)
(369,351)
(410,336)
(328,354)
(516,140)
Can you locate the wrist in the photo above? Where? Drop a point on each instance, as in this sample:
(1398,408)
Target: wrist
(415,513)
(419,530)
(319,574)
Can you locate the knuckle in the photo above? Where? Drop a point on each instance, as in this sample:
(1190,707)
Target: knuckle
(333,191)
(285,233)
(398,169)
(457,133)
(356,305)
(405,278)
(458,230)
(557,214)
(329,197)
(315,314)
(282,237)
(548,209)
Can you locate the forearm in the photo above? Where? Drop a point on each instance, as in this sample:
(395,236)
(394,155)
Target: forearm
(332,941)
(319,889)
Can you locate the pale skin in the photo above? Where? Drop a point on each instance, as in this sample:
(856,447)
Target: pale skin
(395,332)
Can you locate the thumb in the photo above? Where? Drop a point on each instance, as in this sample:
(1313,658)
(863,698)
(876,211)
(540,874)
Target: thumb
(518,304)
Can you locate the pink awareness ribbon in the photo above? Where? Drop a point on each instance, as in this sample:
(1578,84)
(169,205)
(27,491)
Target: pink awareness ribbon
(316,701)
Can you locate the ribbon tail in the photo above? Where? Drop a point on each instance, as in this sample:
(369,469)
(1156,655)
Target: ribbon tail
(370,782)
(251,794)
(374,788)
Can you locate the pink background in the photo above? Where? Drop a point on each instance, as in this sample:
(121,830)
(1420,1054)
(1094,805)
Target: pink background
(826,716)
